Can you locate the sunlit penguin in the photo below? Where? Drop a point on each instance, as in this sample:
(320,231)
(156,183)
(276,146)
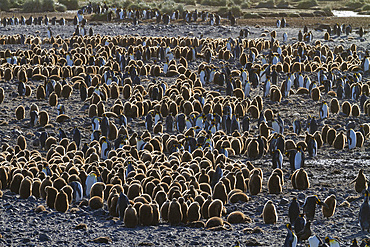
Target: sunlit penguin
(188,123)
(60,109)
(199,121)
(285,37)
(104,126)
(105,148)
(77,191)
(122,203)
(366,64)
(157,118)
(122,120)
(129,169)
(95,123)
(34,118)
(169,122)
(364,215)
(331,242)
(149,122)
(217,175)
(50,33)
(296,159)
(290,239)
(312,147)
(46,170)
(297,126)
(277,159)
(140,143)
(76,136)
(181,122)
(69,60)
(266,88)
(314,241)
(213,128)
(351,139)
(90,181)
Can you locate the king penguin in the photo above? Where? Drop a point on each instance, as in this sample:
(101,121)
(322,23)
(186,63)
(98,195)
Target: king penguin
(351,138)
(324,110)
(364,215)
(77,191)
(105,148)
(76,136)
(290,239)
(90,181)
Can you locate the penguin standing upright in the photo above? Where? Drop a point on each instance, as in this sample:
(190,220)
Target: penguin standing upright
(76,136)
(90,181)
(364,215)
(312,147)
(309,206)
(50,33)
(293,210)
(34,117)
(104,126)
(324,110)
(277,159)
(290,239)
(149,122)
(297,126)
(181,122)
(77,191)
(105,148)
(351,138)
(122,204)
(169,122)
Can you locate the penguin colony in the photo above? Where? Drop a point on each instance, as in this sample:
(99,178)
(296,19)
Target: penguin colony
(203,106)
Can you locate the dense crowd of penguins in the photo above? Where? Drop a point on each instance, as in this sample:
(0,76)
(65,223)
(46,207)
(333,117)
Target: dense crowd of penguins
(203,106)
(135,16)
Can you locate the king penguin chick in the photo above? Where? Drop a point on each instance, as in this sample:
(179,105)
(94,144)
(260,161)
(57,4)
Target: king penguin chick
(331,202)
(360,181)
(269,213)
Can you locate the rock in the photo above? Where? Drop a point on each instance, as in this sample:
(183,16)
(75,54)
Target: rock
(101,240)
(81,226)
(283,201)
(40,209)
(252,242)
(301,196)
(44,237)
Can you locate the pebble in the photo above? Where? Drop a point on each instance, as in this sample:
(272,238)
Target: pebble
(301,196)
(283,201)
(44,237)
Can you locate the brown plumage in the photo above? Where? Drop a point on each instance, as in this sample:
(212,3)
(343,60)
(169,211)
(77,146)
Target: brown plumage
(269,213)
(360,181)
(331,202)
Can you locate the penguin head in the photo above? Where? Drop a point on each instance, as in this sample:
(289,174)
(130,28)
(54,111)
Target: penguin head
(289,226)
